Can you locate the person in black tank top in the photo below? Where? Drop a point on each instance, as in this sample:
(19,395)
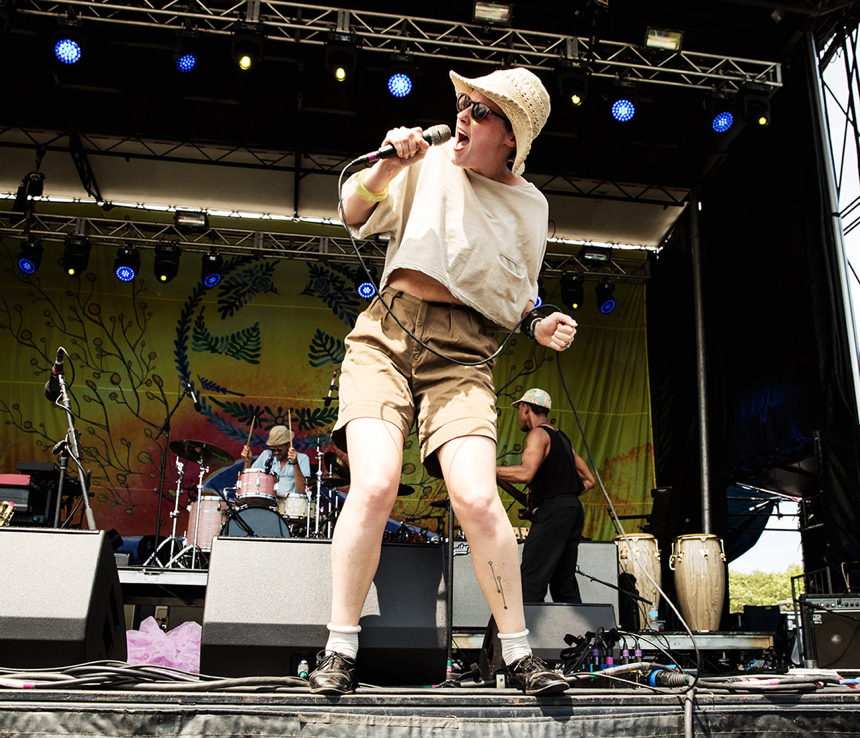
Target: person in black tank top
(556,477)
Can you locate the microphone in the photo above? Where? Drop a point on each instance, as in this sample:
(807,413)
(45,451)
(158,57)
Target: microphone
(52,386)
(193,396)
(330,388)
(434,135)
(269,463)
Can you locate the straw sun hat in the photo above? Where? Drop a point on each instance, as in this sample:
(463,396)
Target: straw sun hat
(522,98)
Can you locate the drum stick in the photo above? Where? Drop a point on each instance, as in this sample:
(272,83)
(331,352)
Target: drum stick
(250,432)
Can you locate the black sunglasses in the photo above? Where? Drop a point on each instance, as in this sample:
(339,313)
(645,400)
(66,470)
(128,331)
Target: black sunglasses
(479,109)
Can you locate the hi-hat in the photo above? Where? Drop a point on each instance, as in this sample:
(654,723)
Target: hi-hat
(200,452)
(335,465)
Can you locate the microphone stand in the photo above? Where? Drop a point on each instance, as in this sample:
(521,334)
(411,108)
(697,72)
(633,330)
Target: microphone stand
(162,471)
(63,451)
(75,452)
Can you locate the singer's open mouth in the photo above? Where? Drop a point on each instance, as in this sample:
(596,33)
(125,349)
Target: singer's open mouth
(462,140)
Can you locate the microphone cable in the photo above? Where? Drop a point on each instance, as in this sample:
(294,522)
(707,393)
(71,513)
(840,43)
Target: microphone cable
(502,346)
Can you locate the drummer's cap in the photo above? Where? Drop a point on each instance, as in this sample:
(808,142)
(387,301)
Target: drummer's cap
(535,396)
(279,435)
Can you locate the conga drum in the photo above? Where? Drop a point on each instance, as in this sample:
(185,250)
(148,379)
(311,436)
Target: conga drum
(638,557)
(699,563)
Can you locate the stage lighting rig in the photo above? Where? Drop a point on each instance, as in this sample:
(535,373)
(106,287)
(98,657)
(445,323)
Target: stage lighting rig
(246,47)
(76,254)
(341,51)
(624,101)
(211,272)
(663,38)
(493,14)
(31,255)
(365,287)
(32,185)
(755,104)
(605,300)
(191,221)
(127,263)
(166,262)
(400,75)
(68,44)
(721,113)
(185,52)
(572,290)
(573,83)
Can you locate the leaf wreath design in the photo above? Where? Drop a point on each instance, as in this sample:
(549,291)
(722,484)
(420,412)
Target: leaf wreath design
(239,289)
(241,411)
(210,386)
(316,417)
(243,345)
(333,284)
(325,349)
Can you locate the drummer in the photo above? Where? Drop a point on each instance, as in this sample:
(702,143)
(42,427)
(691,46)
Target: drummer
(281,458)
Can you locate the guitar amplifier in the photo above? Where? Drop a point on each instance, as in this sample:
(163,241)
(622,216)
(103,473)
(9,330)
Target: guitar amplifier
(29,497)
(831,630)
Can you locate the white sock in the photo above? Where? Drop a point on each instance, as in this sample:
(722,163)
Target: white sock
(343,639)
(514,646)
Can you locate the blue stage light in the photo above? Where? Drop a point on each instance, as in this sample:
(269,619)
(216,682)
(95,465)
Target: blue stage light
(623,110)
(365,284)
(605,300)
(67,50)
(127,264)
(211,273)
(31,255)
(186,62)
(399,84)
(723,122)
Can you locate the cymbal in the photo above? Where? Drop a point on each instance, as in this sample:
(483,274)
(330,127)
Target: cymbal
(200,452)
(334,482)
(335,465)
(404,490)
(440,503)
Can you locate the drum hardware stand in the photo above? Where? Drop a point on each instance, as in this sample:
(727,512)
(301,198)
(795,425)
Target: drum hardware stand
(193,547)
(233,513)
(174,514)
(626,593)
(165,429)
(71,448)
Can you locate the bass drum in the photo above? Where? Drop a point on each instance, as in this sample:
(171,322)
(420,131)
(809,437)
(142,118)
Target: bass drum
(262,521)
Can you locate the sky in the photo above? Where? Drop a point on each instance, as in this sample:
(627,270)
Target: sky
(779,545)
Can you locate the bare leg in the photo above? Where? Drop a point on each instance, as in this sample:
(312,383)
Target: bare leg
(469,468)
(375,460)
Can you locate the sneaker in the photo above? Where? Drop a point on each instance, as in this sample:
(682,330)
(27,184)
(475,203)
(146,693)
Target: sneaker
(533,676)
(333,675)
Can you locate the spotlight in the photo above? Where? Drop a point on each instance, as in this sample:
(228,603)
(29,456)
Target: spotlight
(492,14)
(719,106)
(31,255)
(32,185)
(191,221)
(400,74)
(127,264)
(340,55)
(246,47)
(539,298)
(755,104)
(595,254)
(662,38)
(572,290)
(605,300)
(185,57)
(76,254)
(68,45)
(166,262)
(211,273)
(366,285)
(573,85)
(624,101)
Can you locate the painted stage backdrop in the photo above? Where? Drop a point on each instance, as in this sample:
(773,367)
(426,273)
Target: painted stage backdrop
(259,350)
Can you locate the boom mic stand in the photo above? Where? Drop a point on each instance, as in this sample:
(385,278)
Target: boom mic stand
(73,449)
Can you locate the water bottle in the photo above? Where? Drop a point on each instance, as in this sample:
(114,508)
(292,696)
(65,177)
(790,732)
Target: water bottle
(303,669)
(652,620)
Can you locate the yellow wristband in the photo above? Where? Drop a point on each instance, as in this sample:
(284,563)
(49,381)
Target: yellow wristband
(366,194)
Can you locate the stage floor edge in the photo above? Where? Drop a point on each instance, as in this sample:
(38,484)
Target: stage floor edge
(467,712)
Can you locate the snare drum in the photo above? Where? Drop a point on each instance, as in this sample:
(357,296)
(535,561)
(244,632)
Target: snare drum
(201,531)
(256,488)
(262,521)
(699,564)
(295,507)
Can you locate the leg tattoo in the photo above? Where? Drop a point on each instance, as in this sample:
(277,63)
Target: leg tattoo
(498,581)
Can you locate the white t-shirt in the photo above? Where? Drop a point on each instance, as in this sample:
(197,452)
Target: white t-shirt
(484,240)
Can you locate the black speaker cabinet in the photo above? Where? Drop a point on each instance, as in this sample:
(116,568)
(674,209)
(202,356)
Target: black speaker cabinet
(61,602)
(268,601)
(548,623)
(831,630)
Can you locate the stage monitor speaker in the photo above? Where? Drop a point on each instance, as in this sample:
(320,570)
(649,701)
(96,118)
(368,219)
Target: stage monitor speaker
(61,601)
(831,627)
(268,601)
(548,623)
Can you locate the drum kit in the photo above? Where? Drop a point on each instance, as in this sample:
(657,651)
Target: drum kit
(251,508)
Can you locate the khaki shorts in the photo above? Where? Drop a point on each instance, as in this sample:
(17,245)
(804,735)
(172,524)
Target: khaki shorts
(386,374)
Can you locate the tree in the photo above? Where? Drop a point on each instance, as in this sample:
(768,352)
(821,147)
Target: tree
(763,588)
